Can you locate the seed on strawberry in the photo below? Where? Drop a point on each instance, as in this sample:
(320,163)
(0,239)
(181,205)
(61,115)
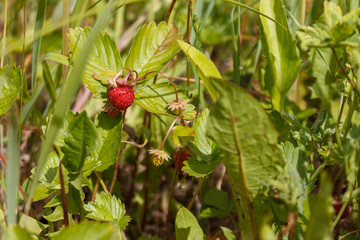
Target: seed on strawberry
(181,156)
(111,110)
(121,96)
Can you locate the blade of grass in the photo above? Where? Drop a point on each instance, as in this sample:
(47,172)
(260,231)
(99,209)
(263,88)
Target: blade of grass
(31,103)
(65,30)
(40,16)
(255,11)
(12,171)
(58,24)
(68,92)
(49,82)
(236,64)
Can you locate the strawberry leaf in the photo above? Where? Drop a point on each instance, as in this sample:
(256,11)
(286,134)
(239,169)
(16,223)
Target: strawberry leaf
(104,57)
(153,47)
(155,98)
(10,84)
(107,208)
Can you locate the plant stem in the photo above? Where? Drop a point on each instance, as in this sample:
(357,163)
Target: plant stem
(146,183)
(175,177)
(4,36)
(344,72)
(63,196)
(101,181)
(95,190)
(176,93)
(189,206)
(115,171)
(168,132)
(170,10)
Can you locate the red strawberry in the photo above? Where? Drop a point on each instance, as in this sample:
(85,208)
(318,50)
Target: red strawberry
(121,96)
(111,110)
(180,157)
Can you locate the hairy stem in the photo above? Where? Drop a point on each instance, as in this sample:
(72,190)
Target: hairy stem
(168,132)
(344,72)
(172,83)
(63,196)
(170,10)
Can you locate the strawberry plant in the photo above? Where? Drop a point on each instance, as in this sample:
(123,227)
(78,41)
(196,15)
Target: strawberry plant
(195,119)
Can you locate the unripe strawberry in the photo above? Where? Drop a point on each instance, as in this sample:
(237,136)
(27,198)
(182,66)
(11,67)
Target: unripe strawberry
(111,110)
(181,156)
(337,207)
(121,96)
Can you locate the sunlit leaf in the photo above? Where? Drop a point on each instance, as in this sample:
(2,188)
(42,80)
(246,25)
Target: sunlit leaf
(280,49)
(155,98)
(10,84)
(206,150)
(107,208)
(109,139)
(86,230)
(242,129)
(152,48)
(80,140)
(203,66)
(105,57)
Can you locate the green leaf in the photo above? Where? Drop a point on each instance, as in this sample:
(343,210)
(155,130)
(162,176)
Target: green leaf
(107,208)
(80,140)
(203,66)
(280,50)
(86,230)
(154,98)
(12,170)
(211,212)
(109,131)
(208,154)
(56,215)
(16,233)
(56,57)
(187,227)
(40,17)
(10,84)
(242,129)
(182,135)
(218,199)
(104,76)
(332,13)
(105,57)
(33,226)
(152,48)
(228,233)
(319,226)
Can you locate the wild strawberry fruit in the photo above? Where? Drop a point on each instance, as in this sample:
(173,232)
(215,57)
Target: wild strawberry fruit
(181,156)
(121,96)
(111,110)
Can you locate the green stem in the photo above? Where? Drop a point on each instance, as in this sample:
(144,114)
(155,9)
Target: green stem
(101,181)
(341,110)
(174,180)
(196,193)
(63,196)
(344,72)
